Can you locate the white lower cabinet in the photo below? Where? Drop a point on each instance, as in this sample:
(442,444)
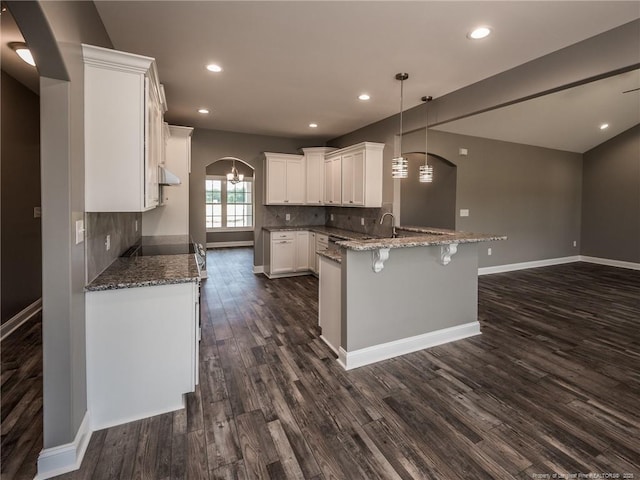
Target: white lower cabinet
(302,251)
(142,351)
(312,252)
(283,252)
(288,253)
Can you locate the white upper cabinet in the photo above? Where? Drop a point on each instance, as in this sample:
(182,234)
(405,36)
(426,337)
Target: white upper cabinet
(333,179)
(362,175)
(285,179)
(314,159)
(123,128)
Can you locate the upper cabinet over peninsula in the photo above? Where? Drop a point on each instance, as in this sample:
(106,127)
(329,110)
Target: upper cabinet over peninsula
(124,109)
(349,177)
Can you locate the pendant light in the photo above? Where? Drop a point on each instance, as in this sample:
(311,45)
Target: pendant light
(233,176)
(426,170)
(399,164)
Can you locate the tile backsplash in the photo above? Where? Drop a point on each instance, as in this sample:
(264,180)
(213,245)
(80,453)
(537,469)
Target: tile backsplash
(349,218)
(276,215)
(120,226)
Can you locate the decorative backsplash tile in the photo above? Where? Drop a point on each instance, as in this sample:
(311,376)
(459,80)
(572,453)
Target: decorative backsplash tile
(275,215)
(120,226)
(349,218)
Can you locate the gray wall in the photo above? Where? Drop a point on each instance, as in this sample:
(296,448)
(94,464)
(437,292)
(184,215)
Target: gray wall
(54,32)
(207,146)
(429,204)
(611,199)
(21,251)
(530,194)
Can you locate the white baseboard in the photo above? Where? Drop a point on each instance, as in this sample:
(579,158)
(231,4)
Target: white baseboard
(20,318)
(239,243)
(525,265)
(557,261)
(611,263)
(384,351)
(258,269)
(65,458)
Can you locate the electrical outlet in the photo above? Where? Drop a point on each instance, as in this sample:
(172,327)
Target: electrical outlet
(489,251)
(136,225)
(575,244)
(362,221)
(107,243)
(79,231)
(332,217)
(287,216)
(37,212)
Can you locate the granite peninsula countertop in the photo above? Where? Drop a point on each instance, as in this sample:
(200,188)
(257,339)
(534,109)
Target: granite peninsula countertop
(408,237)
(334,255)
(420,237)
(147,271)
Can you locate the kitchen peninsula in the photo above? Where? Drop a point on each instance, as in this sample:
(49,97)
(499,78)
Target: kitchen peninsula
(399,295)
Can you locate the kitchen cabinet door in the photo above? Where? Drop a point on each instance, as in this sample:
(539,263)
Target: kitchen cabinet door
(353,179)
(283,256)
(285,180)
(302,251)
(333,180)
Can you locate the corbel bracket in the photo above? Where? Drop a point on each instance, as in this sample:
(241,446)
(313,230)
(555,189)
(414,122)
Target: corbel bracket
(379,257)
(446,252)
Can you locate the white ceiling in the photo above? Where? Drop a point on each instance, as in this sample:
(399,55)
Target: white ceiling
(290,63)
(566,120)
(10,62)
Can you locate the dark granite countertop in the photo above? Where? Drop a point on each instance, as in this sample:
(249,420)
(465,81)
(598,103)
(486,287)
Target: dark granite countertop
(420,237)
(334,232)
(334,255)
(408,237)
(147,271)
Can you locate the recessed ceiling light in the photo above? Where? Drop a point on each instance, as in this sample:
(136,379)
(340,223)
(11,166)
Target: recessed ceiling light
(23,52)
(604,126)
(313,125)
(214,67)
(478,33)
(203,110)
(364,96)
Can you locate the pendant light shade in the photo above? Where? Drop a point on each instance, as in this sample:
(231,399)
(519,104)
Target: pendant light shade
(426,170)
(233,176)
(399,164)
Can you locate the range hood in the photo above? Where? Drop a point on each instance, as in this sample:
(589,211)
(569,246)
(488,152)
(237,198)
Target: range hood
(165,177)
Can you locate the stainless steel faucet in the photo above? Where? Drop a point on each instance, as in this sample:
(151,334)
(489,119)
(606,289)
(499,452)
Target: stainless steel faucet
(394,234)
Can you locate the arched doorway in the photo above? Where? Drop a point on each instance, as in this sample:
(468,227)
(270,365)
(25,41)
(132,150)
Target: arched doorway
(229,207)
(429,204)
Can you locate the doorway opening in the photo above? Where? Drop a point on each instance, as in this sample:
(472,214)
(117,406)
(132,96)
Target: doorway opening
(230,204)
(429,204)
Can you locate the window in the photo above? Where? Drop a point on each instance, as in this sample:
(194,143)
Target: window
(228,205)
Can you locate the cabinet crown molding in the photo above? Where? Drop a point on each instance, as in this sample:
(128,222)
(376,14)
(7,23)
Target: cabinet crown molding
(116,60)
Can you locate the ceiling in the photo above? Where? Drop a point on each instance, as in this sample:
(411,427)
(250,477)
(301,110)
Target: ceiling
(11,63)
(289,63)
(566,120)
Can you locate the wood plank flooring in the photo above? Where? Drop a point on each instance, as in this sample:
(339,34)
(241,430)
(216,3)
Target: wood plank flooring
(551,386)
(21,401)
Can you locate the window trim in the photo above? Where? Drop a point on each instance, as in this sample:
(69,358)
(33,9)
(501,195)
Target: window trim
(224,204)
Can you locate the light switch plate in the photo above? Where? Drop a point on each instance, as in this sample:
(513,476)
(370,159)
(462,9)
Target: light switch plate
(79,231)
(463,152)
(287,216)
(37,212)
(107,243)
(464,212)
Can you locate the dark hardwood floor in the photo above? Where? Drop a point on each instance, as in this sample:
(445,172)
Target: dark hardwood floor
(21,401)
(551,386)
